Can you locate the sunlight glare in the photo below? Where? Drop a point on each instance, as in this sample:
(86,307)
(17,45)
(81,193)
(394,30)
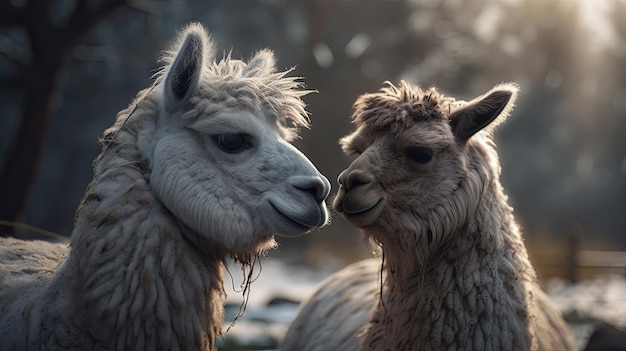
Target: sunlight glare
(593,18)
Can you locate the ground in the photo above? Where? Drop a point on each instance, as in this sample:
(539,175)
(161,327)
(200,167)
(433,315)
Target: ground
(275,295)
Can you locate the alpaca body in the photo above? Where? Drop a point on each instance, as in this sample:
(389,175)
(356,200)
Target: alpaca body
(334,315)
(340,309)
(337,310)
(197,169)
(455,272)
(128,282)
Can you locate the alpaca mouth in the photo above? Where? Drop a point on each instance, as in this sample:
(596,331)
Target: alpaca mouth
(357,211)
(293,224)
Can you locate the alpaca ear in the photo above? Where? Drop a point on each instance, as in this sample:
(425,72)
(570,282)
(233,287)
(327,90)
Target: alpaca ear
(262,63)
(486,111)
(184,74)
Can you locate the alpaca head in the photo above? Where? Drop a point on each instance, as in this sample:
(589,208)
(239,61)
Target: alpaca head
(220,158)
(423,161)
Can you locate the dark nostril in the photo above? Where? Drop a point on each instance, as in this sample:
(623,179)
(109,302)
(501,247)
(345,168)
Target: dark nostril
(319,187)
(354,178)
(341,176)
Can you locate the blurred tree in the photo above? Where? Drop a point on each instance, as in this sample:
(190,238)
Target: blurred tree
(538,44)
(51,29)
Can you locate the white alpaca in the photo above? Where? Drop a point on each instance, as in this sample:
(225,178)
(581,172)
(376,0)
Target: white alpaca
(455,273)
(197,169)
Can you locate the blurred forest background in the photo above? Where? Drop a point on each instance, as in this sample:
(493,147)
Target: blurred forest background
(68,66)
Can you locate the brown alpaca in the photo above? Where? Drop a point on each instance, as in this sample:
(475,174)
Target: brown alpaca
(455,273)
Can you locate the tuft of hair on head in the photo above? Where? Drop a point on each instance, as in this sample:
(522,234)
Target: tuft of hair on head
(394,108)
(485,112)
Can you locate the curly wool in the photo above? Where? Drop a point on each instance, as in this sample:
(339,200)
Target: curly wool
(130,268)
(459,290)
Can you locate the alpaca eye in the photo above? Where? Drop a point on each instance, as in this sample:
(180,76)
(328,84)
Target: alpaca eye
(419,154)
(232,143)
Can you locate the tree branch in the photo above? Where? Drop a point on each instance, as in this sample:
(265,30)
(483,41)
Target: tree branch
(151,6)
(12,52)
(85,16)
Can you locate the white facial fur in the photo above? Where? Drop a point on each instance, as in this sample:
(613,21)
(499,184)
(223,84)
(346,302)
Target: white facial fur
(221,161)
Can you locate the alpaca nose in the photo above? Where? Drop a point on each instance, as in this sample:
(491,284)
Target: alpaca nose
(318,186)
(350,179)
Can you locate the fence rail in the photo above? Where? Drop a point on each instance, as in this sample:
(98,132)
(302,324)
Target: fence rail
(592,259)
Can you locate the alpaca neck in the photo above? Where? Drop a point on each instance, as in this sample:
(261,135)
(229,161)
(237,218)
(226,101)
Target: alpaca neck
(466,293)
(133,279)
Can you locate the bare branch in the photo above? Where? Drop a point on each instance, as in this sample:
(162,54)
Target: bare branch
(151,6)
(12,52)
(84,17)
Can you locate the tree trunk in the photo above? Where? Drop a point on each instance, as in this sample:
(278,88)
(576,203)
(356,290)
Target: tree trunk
(21,167)
(50,45)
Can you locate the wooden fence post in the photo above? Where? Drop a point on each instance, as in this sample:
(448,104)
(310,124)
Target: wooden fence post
(572,260)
